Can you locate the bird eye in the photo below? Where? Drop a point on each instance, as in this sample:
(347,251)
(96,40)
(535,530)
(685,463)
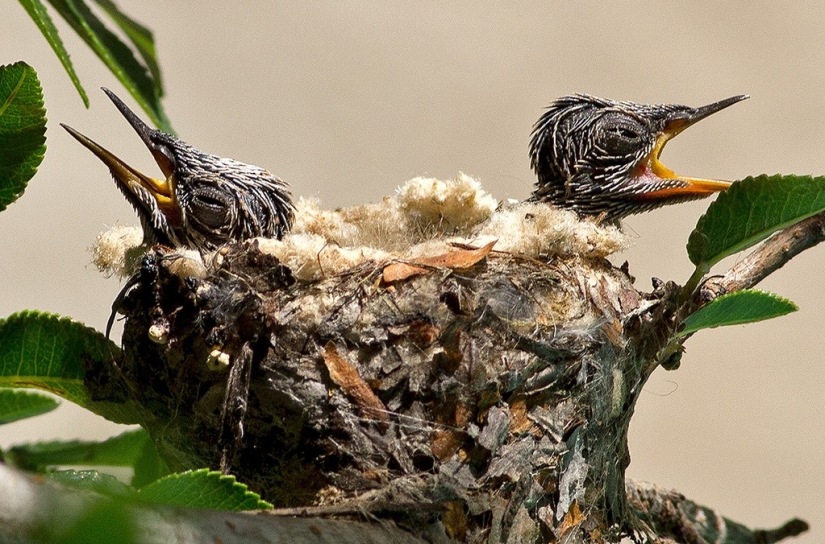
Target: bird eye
(624,132)
(209,208)
(620,136)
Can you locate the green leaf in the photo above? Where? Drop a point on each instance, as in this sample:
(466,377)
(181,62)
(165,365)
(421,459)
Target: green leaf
(750,211)
(22,129)
(746,306)
(90,480)
(202,489)
(37,11)
(117,56)
(148,465)
(15,405)
(130,449)
(108,521)
(51,353)
(140,36)
(123,450)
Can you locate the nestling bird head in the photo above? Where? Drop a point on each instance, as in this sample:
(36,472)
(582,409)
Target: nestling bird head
(204,201)
(599,156)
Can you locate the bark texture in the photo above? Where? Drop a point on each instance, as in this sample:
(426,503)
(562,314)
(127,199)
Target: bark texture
(475,397)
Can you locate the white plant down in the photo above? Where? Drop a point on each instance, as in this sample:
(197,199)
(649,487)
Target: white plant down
(423,219)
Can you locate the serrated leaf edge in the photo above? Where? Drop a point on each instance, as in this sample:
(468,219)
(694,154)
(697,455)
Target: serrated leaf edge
(792,307)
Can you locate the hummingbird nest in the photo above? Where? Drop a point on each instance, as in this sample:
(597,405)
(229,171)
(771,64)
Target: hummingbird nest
(463,368)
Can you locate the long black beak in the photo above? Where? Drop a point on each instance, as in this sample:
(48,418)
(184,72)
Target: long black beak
(677,124)
(127,177)
(165,162)
(689,187)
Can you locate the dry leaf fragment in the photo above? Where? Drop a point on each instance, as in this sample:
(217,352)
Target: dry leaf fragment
(460,258)
(573,518)
(520,423)
(443,444)
(455,520)
(423,334)
(397,271)
(347,378)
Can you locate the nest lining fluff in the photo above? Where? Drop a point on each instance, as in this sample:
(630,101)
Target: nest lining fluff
(422,219)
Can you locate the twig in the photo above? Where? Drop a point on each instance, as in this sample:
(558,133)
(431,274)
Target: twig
(674,518)
(768,257)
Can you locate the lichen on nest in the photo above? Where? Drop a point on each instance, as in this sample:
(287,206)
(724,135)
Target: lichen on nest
(422,219)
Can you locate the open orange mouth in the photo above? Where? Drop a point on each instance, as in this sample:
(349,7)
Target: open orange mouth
(654,170)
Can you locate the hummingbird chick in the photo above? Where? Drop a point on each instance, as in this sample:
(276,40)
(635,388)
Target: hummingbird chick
(601,157)
(205,201)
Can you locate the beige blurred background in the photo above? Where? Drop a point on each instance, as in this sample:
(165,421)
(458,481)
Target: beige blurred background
(347,100)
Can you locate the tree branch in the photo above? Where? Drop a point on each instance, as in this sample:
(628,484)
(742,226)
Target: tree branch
(675,518)
(769,257)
